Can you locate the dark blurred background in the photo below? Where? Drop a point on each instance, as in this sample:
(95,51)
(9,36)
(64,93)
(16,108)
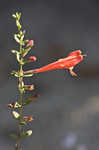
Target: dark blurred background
(68,108)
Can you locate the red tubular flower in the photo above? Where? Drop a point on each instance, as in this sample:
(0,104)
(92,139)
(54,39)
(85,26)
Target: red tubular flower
(65,63)
(30,43)
(32,58)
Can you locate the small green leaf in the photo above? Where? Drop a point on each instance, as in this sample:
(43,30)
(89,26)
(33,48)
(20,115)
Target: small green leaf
(22,37)
(18,57)
(16,38)
(14,136)
(18,24)
(17,105)
(18,16)
(30,99)
(17,54)
(29,75)
(23,122)
(14,16)
(16,74)
(14,51)
(26,41)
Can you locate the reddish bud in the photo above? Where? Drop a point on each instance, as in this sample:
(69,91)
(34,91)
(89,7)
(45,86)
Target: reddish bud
(32,58)
(35,96)
(30,43)
(14,105)
(10,105)
(29,87)
(28,118)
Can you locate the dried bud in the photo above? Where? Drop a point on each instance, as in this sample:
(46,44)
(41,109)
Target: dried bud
(32,58)
(28,118)
(30,43)
(29,87)
(10,105)
(34,96)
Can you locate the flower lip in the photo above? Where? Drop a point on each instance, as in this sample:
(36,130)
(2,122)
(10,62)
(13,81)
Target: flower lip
(75,53)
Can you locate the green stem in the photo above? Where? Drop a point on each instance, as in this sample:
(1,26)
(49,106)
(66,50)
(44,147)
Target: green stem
(17,145)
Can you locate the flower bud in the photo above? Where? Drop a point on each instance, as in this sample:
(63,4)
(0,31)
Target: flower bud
(32,58)
(28,118)
(14,105)
(29,87)
(34,96)
(10,105)
(30,43)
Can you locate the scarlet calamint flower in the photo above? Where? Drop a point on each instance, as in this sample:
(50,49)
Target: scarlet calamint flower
(64,63)
(29,87)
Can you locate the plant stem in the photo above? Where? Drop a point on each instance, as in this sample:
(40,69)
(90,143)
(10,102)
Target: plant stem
(17,145)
